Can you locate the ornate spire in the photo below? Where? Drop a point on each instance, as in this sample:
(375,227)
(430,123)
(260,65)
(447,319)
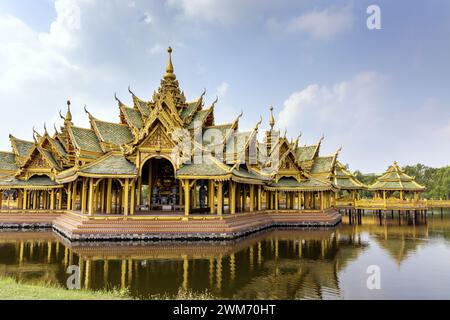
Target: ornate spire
(169,71)
(272,119)
(69,113)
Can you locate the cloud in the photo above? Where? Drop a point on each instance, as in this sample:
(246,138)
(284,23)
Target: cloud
(222,89)
(68,22)
(346,112)
(224,12)
(324,24)
(353,100)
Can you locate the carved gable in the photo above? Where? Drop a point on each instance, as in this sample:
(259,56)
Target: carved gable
(158,139)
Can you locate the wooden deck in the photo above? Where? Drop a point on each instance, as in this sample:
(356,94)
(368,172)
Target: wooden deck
(392,204)
(156,226)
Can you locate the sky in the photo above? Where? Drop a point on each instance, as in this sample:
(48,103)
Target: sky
(382,95)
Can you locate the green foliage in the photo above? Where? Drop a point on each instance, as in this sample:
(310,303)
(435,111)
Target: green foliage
(436,180)
(367,179)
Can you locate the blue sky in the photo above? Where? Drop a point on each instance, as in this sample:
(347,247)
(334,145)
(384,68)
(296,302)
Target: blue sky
(382,95)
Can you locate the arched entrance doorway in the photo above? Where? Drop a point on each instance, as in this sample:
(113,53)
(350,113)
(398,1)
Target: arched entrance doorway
(160,190)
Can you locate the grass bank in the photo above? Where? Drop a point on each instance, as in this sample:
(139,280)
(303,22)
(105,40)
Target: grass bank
(10,289)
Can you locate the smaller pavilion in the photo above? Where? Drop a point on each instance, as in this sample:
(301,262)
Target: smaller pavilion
(395,184)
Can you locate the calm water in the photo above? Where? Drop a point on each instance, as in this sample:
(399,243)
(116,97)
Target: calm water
(319,264)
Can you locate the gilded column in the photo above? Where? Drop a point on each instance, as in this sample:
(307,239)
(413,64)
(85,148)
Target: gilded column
(276,200)
(232,197)
(103,197)
(69,196)
(126,197)
(60,198)
(25,199)
(52,200)
(139,192)
(133,195)
(252,198)
(74,196)
(187,198)
(220,198)
(211,195)
(259,198)
(91,196)
(109,197)
(83,196)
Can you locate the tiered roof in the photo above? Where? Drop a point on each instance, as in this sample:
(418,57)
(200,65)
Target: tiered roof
(109,149)
(395,179)
(345,180)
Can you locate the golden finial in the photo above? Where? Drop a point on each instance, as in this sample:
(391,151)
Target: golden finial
(69,113)
(272,119)
(169,71)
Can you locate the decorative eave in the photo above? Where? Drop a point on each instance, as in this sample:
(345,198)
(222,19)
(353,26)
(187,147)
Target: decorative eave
(197,107)
(89,170)
(355,183)
(140,104)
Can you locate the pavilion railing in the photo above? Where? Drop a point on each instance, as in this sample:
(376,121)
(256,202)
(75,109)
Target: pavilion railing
(386,204)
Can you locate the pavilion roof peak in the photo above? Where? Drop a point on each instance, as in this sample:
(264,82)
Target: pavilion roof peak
(169,70)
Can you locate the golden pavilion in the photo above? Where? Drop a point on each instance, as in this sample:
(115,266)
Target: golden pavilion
(151,162)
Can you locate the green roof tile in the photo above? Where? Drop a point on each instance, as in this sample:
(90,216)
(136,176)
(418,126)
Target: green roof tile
(8,161)
(110,164)
(323,164)
(86,139)
(134,117)
(23,147)
(114,133)
(291,183)
(39,181)
(59,147)
(306,153)
(199,118)
(201,170)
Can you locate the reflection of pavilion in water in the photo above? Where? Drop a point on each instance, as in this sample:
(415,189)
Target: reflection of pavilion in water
(278,264)
(31,257)
(399,241)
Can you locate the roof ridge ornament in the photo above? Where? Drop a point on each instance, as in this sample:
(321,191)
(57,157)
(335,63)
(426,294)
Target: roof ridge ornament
(272,119)
(34,135)
(117,99)
(69,113)
(214,102)
(91,117)
(203,94)
(169,70)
